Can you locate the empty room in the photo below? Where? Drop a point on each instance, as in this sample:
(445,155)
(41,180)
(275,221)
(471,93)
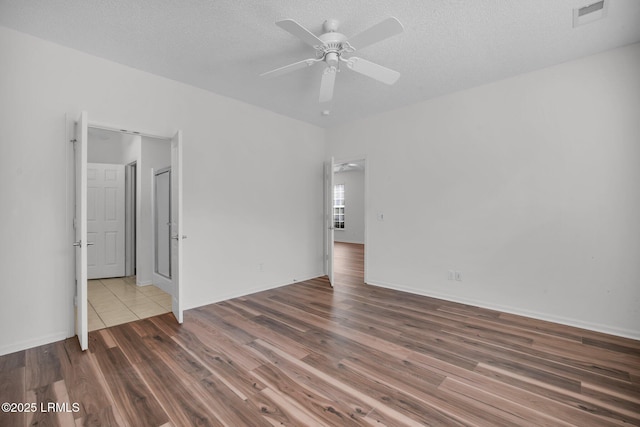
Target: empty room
(258,213)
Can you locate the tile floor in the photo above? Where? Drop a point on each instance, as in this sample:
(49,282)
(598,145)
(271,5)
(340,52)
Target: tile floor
(120,300)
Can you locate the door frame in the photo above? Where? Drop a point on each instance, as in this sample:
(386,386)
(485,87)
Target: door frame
(328,227)
(71,121)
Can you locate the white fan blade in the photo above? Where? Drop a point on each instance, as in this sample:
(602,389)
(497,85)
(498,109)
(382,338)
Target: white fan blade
(387,28)
(327,83)
(300,32)
(375,71)
(291,67)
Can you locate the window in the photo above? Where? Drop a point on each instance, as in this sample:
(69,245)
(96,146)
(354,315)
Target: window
(338,206)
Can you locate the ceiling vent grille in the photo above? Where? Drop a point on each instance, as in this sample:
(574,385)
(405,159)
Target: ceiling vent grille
(589,13)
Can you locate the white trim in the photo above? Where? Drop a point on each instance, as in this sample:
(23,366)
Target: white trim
(595,327)
(113,128)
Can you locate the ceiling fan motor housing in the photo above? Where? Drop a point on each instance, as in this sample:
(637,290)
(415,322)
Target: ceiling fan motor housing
(332,47)
(330,25)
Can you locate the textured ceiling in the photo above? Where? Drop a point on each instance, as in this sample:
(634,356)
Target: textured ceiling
(223,45)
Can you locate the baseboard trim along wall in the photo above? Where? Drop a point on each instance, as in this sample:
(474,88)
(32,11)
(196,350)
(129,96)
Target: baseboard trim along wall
(596,327)
(163,283)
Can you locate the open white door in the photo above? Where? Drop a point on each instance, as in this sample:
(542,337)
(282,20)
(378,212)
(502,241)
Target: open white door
(176,224)
(80,223)
(328,214)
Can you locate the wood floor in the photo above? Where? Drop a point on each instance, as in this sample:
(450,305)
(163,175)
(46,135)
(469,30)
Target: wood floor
(310,355)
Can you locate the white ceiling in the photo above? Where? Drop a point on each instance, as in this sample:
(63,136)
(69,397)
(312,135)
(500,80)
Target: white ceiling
(223,45)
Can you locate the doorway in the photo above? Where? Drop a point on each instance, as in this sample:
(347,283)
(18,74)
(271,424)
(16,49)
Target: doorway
(348,216)
(135,152)
(119,214)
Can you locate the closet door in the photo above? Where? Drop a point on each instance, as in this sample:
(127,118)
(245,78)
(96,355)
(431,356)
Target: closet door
(105,220)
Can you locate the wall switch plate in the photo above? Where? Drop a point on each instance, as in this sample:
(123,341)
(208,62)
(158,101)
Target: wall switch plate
(451,275)
(458,276)
(380,216)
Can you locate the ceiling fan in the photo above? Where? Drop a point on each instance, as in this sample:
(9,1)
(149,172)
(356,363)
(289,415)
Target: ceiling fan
(330,48)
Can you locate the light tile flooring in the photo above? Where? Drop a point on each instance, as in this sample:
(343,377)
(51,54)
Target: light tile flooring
(120,300)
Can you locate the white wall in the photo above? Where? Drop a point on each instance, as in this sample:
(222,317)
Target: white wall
(529,186)
(120,149)
(233,225)
(353,181)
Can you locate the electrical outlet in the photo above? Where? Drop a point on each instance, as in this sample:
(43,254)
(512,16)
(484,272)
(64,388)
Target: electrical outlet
(451,275)
(458,276)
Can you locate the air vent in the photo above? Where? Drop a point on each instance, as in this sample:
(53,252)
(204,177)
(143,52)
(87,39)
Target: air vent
(589,13)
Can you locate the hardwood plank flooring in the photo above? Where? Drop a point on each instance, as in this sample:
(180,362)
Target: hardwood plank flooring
(352,355)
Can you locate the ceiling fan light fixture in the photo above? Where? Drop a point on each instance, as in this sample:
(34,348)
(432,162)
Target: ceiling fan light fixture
(332,58)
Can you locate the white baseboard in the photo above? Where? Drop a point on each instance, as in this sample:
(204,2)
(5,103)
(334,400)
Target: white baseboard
(596,327)
(34,342)
(163,283)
